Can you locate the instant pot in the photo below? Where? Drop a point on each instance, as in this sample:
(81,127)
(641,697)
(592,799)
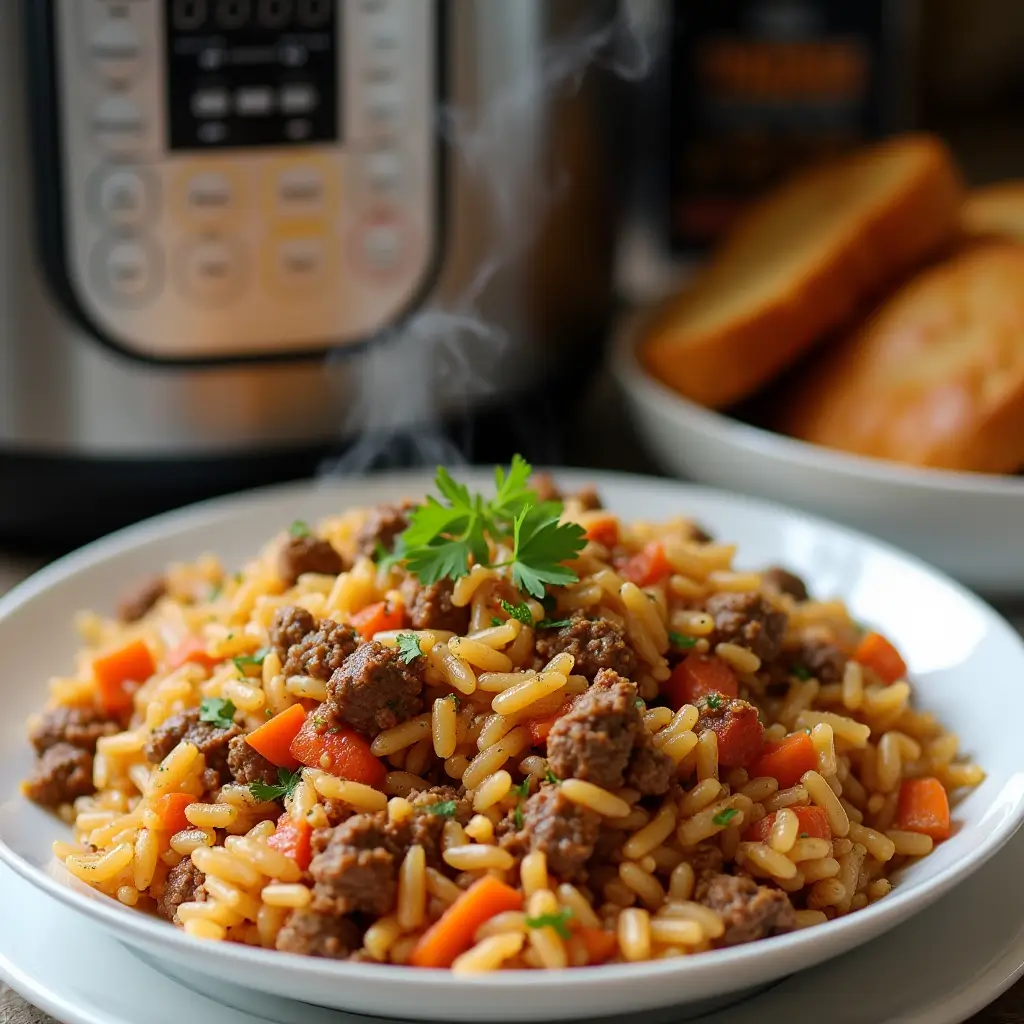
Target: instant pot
(241,233)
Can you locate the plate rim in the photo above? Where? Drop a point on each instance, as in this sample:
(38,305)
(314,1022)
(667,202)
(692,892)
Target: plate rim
(877,918)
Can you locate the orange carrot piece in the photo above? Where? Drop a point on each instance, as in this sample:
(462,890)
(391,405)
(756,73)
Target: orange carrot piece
(170,809)
(340,750)
(601,945)
(813,825)
(924,807)
(120,673)
(879,655)
(293,838)
(453,933)
(786,760)
(273,739)
(698,675)
(647,566)
(379,617)
(604,531)
(192,649)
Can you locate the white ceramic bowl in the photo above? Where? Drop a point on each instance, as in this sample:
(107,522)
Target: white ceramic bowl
(967,524)
(966,661)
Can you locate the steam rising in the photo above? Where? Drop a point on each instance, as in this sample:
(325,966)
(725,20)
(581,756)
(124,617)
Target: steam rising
(415,374)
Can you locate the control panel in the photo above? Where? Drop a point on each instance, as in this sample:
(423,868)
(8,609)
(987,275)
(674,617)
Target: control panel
(243,178)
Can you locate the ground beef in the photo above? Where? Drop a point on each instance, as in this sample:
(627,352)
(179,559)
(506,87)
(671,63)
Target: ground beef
(357,869)
(563,831)
(184,885)
(749,620)
(785,582)
(699,534)
(78,726)
(140,598)
(544,486)
(382,527)
(650,771)
(213,743)
(750,911)
(308,553)
(737,725)
(312,934)
(321,653)
(588,499)
(61,775)
(289,625)
(431,607)
(247,765)
(374,689)
(825,661)
(594,644)
(425,828)
(705,861)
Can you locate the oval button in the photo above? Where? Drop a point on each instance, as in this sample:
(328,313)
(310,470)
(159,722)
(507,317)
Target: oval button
(115,49)
(124,198)
(211,269)
(118,124)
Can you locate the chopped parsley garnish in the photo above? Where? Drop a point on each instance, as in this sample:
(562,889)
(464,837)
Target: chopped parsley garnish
(713,701)
(517,817)
(288,781)
(724,817)
(550,776)
(217,711)
(456,700)
(519,611)
(522,791)
(549,602)
(444,809)
(409,647)
(639,702)
(299,529)
(804,835)
(319,720)
(243,661)
(680,641)
(802,672)
(444,537)
(495,621)
(559,921)
(383,558)
(553,623)
(269,713)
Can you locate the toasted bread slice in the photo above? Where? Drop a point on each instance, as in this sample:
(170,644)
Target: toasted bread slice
(800,263)
(935,377)
(995,211)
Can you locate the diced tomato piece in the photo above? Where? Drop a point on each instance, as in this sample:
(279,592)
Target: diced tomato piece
(696,676)
(601,945)
(293,837)
(339,750)
(192,649)
(813,825)
(647,567)
(740,735)
(540,727)
(170,809)
(604,530)
(787,760)
(924,807)
(379,618)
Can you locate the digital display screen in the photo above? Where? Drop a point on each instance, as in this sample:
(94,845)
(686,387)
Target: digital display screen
(247,73)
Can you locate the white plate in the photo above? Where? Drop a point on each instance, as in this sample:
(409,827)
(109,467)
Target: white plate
(952,641)
(967,524)
(919,974)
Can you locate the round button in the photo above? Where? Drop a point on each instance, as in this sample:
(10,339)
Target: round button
(127,270)
(211,269)
(124,198)
(384,104)
(383,172)
(301,263)
(209,196)
(118,123)
(116,48)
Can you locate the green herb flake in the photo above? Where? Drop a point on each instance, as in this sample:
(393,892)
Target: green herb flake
(522,791)
(319,721)
(639,703)
(456,700)
(217,711)
(495,621)
(517,817)
(804,835)
(549,602)
(550,776)
(269,713)
(680,641)
(299,528)
(409,647)
(244,661)
(553,623)
(444,809)
(714,701)
(559,921)
(288,781)
(519,611)
(802,672)
(724,817)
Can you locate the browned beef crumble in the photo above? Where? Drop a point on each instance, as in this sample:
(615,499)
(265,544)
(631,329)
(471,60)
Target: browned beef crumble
(823,660)
(750,911)
(748,620)
(311,934)
(289,625)
(595,644)
(382,528)
(322,652)
(184,885)
(62,774)
(430,607)
(308,553)
(785,582)
(248,765)
(563,831)
(213,742)
(374,689)
(140,599)
(80,726)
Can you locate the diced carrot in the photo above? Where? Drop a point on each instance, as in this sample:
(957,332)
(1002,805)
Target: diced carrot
(170,809)
(294,838)
(274,738)
(604,530)
(696,676)
(879,655)
(601,945)
(787,760)
(120,673)
(379,617)
(192,649)
(924,807)
(739,731)
(453,933)
(647,566)
(339,750)
(813,825)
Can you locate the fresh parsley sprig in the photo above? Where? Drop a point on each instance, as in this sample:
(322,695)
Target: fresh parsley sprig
(559,920)
(243,661)
(408,647)
(288,782)
(217,711)
(519,611)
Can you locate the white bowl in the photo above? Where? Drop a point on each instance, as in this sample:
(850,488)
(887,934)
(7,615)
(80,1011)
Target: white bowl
(967,524)
(954,643)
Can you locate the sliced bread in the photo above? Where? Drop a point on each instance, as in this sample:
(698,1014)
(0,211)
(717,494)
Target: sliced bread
(935,377)
(800,263)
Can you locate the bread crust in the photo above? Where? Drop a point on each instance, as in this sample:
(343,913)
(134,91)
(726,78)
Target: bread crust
(935,377)
(905,196)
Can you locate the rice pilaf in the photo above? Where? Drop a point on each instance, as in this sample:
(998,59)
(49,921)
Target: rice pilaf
(536,737)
